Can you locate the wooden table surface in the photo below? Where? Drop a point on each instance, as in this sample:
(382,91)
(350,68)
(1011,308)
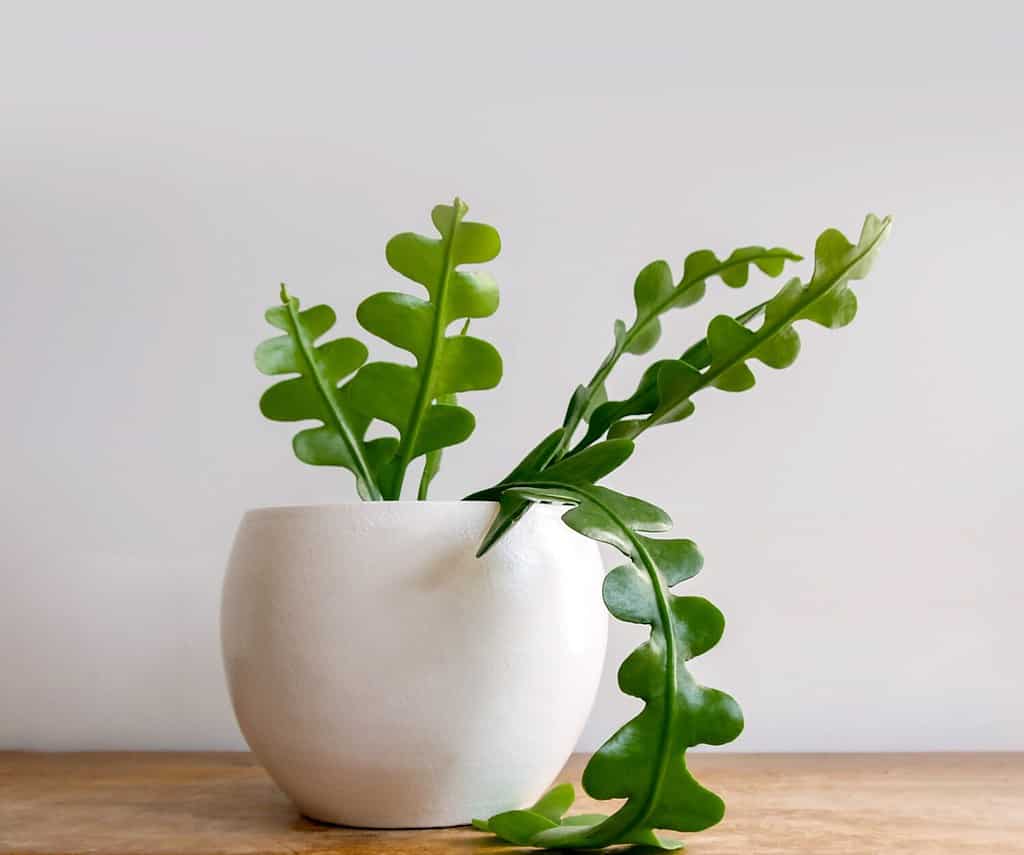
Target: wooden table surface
(191,803)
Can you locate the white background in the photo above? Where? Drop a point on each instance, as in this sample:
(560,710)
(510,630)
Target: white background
(164,168)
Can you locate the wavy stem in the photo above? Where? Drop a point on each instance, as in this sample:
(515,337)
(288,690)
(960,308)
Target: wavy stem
(424,396)
(632,816)
(338,421)
(697,354)
(767,330)
(573,418)
(632,822)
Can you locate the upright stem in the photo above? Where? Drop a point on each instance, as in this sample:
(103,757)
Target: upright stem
(352,442)
(425,395)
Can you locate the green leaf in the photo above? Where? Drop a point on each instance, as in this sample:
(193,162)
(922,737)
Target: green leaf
(314,394)
(653,294)
(664,391)
(587,467)
(584,819)
(699,354)
(538,457)
(593,464)
(826,299)
(555,802)
(644,762)
(510,509)
(583,403)
(519,826)
(416,399)
(653,289)
(645,398)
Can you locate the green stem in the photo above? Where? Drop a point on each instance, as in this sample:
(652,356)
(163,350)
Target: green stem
(632,814)
(424,487)
(424,396)
(767,330)
(697,354)
(324,389)
(571,424)
(627,817)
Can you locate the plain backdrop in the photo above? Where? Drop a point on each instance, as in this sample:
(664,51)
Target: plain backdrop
(164,166)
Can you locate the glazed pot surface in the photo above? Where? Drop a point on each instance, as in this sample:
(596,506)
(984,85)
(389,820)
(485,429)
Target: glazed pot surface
(388,678)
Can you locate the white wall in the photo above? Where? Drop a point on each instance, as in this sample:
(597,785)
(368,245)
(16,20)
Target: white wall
(163,170)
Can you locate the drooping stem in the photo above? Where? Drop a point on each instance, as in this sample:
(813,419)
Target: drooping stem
(636,812)
(677,711)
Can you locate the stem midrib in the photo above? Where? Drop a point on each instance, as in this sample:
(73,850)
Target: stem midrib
(424,394)
(351,442)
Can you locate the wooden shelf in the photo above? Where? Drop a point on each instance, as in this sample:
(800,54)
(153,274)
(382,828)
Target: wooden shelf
(223,803)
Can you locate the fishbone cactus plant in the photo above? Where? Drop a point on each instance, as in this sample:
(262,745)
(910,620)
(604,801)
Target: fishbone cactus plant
(333,384)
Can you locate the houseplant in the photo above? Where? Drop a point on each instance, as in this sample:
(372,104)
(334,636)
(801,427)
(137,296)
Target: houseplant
(643,762)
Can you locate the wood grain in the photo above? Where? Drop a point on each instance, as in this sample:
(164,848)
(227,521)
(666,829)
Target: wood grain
(224,804)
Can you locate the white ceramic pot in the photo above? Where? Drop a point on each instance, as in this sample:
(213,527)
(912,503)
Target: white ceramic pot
(387,678)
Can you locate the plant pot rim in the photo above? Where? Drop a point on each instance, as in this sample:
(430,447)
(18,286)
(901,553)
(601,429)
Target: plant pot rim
(380,504)
(390,503)
(388,509)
